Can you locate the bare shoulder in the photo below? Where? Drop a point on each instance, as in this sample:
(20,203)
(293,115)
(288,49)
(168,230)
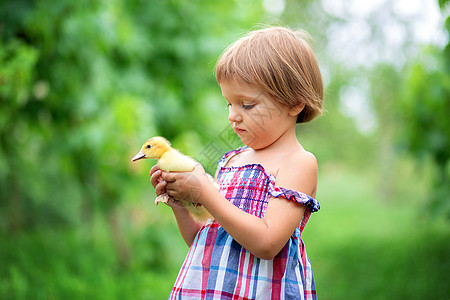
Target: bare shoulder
(299,171)
(299,162)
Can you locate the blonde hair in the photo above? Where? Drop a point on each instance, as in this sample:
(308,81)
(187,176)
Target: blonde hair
(280,62)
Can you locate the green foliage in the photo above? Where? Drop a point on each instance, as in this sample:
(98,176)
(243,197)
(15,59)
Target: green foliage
(364,247)
(443,3)
(84,83)
(424,110)
(77,264)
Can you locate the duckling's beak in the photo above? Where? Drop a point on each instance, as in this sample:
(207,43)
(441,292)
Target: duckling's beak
(138,156)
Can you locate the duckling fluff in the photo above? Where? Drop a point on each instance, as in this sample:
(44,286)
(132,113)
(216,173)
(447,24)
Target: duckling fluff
(171,160)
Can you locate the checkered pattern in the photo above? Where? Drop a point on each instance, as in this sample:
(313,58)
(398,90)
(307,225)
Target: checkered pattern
(217,267)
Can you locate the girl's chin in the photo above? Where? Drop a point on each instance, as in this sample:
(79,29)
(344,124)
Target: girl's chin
(250,142)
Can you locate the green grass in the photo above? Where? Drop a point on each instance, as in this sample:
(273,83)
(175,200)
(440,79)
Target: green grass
(83,263)
(365,246)
(361,246)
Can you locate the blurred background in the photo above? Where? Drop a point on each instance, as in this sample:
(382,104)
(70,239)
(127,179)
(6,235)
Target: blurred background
(84,83)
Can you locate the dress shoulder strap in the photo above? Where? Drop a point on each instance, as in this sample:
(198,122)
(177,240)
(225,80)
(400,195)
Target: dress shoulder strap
(229,155)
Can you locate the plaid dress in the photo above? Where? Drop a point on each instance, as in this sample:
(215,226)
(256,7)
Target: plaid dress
(217,267)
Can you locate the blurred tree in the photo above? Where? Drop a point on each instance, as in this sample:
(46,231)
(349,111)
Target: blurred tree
(84,83)
(368,78)
(425,110)
(335,136)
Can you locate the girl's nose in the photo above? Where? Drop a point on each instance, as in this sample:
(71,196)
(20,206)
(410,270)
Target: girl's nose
(234,115)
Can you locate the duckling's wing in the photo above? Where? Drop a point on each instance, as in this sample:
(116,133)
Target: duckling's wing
(198,212)
(174,161)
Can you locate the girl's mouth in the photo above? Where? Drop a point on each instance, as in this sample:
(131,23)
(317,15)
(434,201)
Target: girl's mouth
(238,130)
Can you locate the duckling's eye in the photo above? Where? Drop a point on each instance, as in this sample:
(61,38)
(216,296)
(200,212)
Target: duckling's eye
(149,146)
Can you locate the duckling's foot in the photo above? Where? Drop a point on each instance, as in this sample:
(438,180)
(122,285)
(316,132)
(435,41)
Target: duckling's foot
(162,198)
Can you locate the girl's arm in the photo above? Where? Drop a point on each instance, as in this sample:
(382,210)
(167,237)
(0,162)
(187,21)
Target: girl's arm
(187,226)
(262,237)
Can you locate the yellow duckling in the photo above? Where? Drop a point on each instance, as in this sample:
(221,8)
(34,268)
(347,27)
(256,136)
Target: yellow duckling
(171,160)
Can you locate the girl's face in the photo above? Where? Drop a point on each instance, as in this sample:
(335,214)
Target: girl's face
(256,118)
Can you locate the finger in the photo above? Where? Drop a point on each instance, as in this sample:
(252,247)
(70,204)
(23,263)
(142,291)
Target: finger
(154,178)
(171,191)
(172,185)
(160,188)
(154,169)
(169,176)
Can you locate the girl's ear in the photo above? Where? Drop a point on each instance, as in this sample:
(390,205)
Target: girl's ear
(296,110)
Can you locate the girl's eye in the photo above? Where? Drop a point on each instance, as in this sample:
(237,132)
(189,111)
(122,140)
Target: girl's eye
(244,106)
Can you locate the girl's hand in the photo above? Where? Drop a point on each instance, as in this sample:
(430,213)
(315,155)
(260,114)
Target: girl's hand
(155,179)
(186,224)
(160,186)
(186,186)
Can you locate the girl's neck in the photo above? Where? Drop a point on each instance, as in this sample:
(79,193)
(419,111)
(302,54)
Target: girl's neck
(286,143)
(269,157)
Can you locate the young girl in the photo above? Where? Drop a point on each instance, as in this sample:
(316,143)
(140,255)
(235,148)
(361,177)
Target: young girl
(253,250)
